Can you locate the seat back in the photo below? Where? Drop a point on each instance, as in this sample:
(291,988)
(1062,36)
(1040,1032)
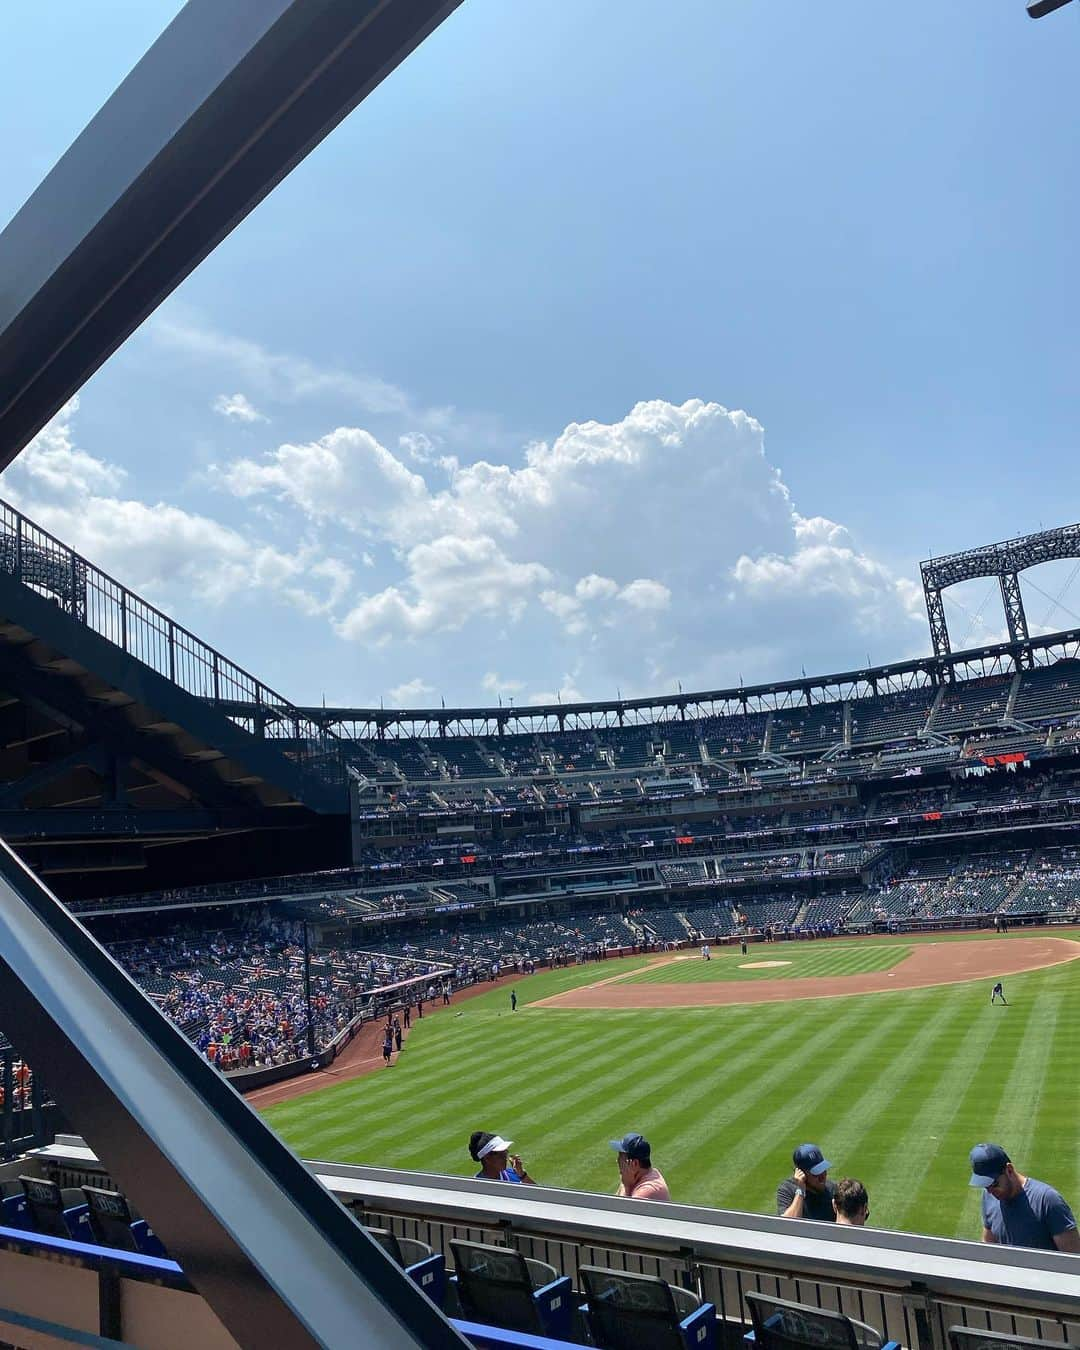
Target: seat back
(46,1202)
(389,1243)
(110,1218)
(779,1325)
(627,1309)
(967,1338)
(494,1286)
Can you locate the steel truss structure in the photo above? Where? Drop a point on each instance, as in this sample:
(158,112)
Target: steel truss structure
(925,672)
(1005,561)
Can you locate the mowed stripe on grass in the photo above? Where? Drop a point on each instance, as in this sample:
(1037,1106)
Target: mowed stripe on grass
(796,961)
(896,1090)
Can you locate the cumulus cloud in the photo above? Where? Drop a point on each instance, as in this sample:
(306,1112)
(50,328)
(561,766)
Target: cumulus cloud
(824,564)
(157,548)
(451,582)
(411,693)
(646,594)
(237,408)
(346,476)
(637,542)
(661,548)
(53,464)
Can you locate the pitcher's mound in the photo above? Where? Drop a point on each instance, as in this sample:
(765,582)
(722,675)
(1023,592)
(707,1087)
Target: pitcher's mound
(761,965)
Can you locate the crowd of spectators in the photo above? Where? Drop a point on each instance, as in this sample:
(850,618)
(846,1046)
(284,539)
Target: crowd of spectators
(241,995)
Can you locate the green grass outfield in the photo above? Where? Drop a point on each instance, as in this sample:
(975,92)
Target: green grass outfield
(896,1087)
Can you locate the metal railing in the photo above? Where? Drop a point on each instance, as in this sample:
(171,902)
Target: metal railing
(49,567)
(27,1111)
(910,1287)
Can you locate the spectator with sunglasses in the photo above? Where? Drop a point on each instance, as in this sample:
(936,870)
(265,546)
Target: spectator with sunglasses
(851,1204)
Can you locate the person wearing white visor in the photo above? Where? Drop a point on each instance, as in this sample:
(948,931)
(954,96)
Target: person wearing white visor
(492,1152)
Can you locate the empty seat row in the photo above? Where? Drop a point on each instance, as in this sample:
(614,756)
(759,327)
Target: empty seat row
(77,1214)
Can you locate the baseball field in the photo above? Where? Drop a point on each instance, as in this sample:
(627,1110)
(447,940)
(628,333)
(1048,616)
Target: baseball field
(886,1052)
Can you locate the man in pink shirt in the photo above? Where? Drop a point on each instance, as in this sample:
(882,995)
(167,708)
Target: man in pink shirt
(638,1178)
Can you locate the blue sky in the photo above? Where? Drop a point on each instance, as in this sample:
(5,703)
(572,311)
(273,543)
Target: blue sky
(602,348)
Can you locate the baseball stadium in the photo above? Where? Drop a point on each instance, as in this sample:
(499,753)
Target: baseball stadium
(572,1023)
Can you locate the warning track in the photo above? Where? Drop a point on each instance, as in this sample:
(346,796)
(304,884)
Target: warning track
(929,964)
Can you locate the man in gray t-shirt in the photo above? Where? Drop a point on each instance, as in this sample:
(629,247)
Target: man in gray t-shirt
(1018,1210)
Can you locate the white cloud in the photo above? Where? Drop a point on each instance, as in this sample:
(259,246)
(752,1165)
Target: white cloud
(594,535)
(160,550)
(346,476)
(593,587)
(646,594)
(53,464)
(493,683)
(824,564)
(451,582)
(237,408)
(661,547)
(418,447)
(280,376)
(411,693)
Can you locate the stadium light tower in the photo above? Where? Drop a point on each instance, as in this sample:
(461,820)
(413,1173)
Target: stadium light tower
(1038,9)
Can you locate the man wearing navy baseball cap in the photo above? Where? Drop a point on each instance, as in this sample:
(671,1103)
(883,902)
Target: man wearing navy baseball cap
(1019,1211)
(638,1178)
(808,1192)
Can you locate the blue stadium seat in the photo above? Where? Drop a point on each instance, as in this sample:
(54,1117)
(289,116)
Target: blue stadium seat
(425,1267)
(644,1312)
(499,1287)
(113,1224)
(780,1325)
(55,1212)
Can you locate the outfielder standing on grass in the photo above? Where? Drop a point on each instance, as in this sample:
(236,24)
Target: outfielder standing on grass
(998,992)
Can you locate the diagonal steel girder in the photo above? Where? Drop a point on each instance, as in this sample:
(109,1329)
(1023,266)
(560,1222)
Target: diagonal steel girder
(281,1263)
(232,96)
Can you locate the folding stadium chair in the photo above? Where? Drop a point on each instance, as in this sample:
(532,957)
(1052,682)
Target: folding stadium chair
(644,1312)
(499,1286)
(967,1338)
(55,1212)
(114,1224)
(421,1263)
(779,1325)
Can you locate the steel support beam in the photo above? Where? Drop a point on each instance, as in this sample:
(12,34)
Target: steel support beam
(939,628)
(232,96)
(273,1253)
(1005,561)
(1013,602)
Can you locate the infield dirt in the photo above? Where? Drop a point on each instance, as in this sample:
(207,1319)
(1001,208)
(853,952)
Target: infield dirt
(930,963)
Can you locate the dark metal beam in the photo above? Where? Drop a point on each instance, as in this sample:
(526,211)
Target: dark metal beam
(277,1258)
(232,96)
